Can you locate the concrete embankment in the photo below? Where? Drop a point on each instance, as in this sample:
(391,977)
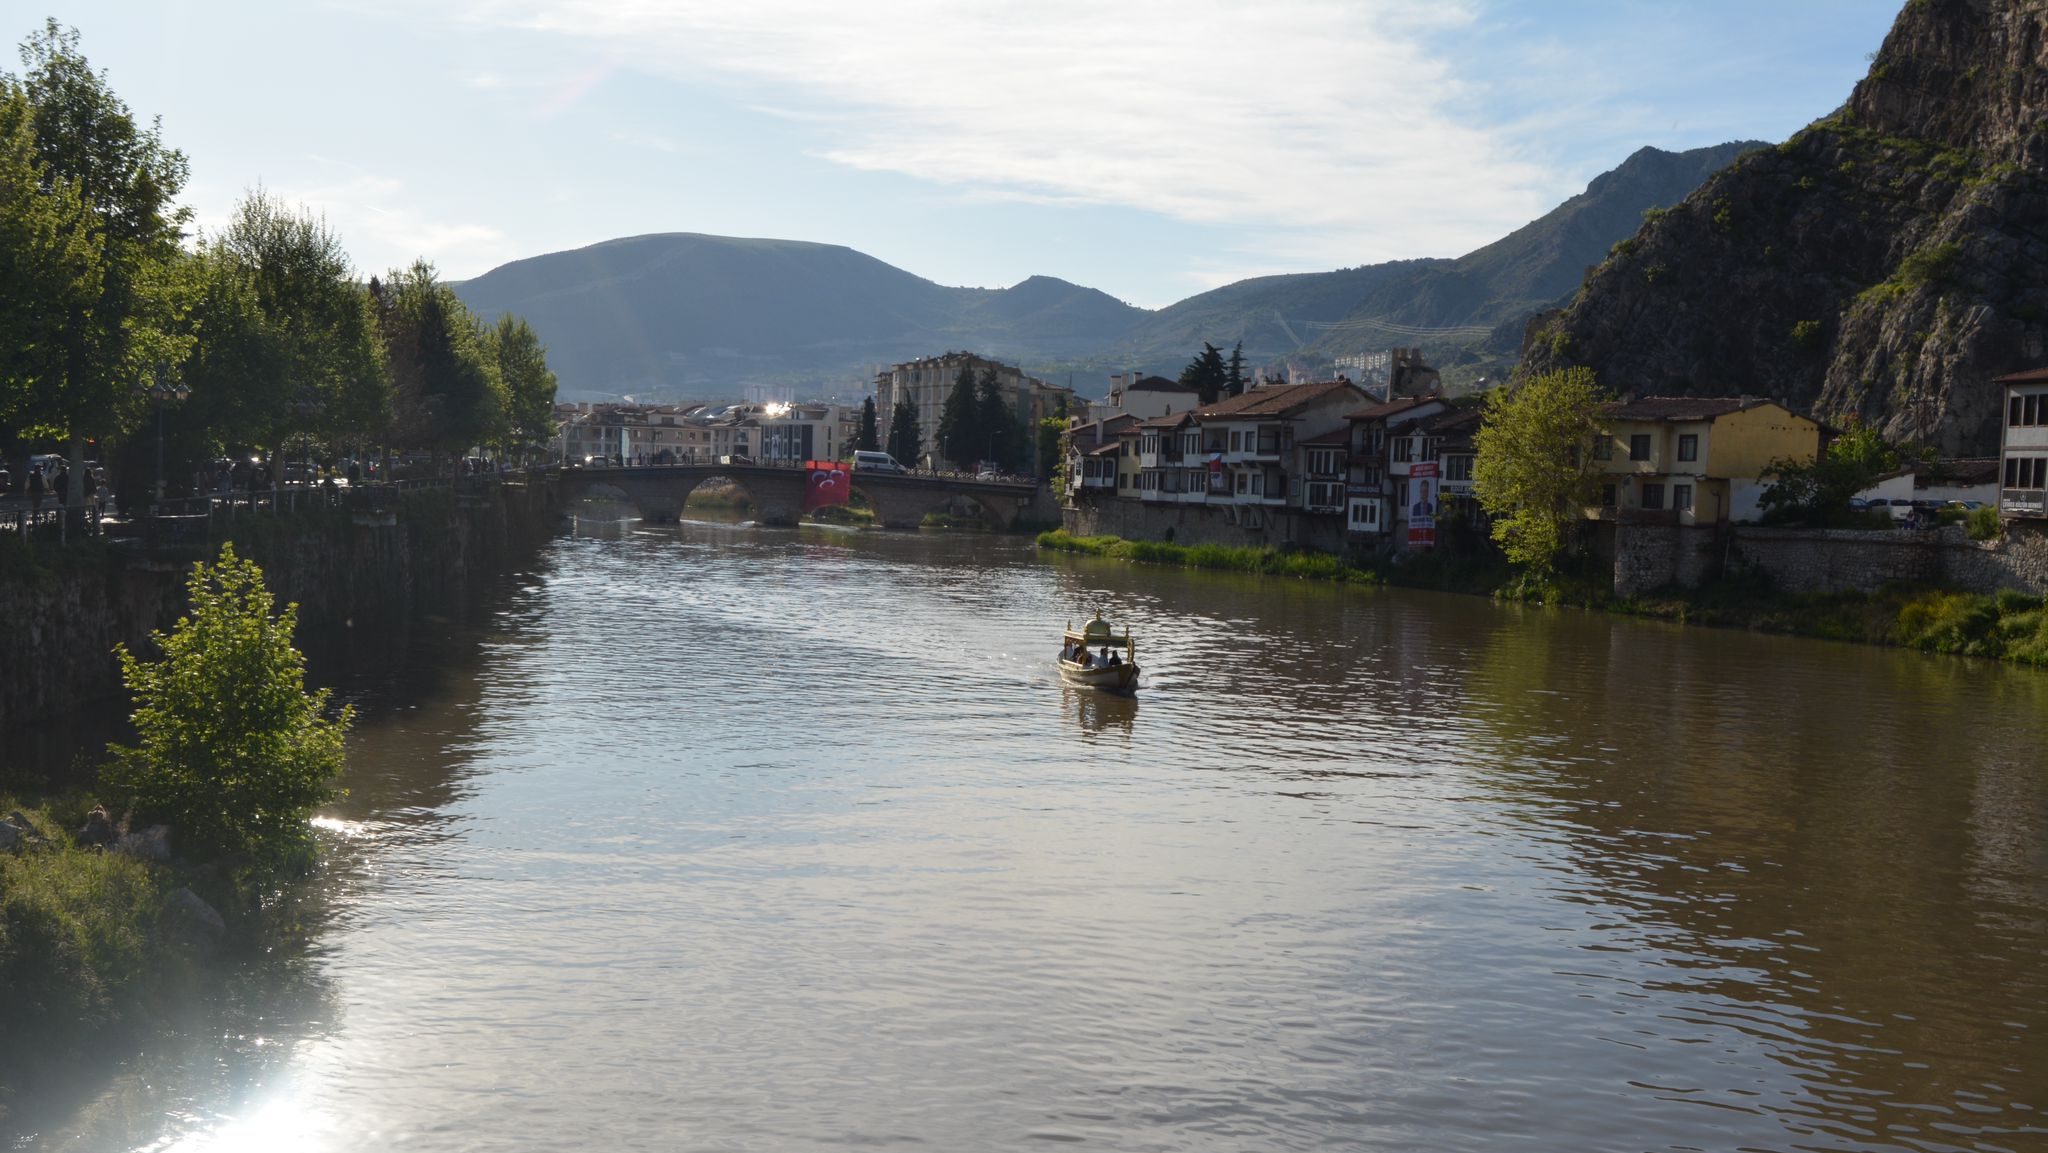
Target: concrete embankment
(358,578)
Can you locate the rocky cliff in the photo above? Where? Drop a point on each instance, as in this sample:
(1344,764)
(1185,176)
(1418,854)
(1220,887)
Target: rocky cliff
(1883,264)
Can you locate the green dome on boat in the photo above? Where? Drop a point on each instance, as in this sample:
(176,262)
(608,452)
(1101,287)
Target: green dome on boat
(1098,629)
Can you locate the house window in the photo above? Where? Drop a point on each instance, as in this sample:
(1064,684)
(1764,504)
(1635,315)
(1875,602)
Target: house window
(2031,410)
(1121,480)
(1458,468)
(1365,515)
(1258,484)
(1606,496)
(1653,496)
(2026,472)
(1243,483)
(1404,449)
(1681,497)
(1603,447)
(1639,446)
(2012,417)
(1689,446)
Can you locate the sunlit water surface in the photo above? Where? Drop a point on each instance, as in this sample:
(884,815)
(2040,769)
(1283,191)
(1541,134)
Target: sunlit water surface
(717,838)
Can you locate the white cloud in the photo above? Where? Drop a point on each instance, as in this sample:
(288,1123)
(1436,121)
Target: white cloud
(1328,118)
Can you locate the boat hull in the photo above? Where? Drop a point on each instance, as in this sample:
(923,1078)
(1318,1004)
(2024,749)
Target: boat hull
(1107,678)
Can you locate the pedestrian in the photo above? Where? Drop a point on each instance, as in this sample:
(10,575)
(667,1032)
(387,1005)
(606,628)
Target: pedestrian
(62,484)
(36,487)
(355,474)
(89,488)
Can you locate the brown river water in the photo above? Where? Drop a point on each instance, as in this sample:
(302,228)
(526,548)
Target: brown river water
(717,838)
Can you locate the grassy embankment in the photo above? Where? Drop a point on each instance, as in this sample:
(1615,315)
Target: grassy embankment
(2009,626)
(1302,565)
(87,937)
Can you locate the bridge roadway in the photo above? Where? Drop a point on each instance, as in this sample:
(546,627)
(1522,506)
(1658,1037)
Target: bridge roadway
(900,500)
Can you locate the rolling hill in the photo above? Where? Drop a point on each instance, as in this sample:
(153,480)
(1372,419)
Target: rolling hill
(685,314)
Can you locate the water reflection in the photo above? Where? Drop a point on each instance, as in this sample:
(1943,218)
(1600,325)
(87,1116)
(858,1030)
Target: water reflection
(1097,712)
(739,839)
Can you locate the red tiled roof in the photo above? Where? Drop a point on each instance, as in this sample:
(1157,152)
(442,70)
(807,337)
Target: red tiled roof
(1106,448)
(1159,384)
(1337,436)
(1107,426)
(1458,421)
(1273,400)
(2030,376)
(1681,407)
(1170,420)
(1397,405)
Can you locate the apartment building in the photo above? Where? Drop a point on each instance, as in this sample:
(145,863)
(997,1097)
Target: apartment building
(925,383)
(1694,460)
(2023,451)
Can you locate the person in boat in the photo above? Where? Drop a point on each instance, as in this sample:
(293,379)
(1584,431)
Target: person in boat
(1086,658)
(1116,660)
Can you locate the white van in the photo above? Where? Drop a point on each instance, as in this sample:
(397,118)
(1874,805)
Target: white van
(875,462)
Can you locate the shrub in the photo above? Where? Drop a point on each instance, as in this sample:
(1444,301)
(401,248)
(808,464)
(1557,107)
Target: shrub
(74,930)
(232,751)
(1806,333)
(1983,524)
(1950,623)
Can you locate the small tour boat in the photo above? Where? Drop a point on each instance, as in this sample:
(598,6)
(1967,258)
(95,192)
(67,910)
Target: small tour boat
(1090,658)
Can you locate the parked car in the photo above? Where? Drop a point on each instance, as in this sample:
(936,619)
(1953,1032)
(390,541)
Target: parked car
(868,461)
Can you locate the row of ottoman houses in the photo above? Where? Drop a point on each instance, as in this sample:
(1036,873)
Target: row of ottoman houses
(1331,449)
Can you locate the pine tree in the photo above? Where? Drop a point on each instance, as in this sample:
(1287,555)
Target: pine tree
(1233,384)
(999,427)
(869,439)
(1206,374)
(906,440)
(960,420)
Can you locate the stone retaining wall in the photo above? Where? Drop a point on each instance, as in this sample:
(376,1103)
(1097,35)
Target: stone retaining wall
(1191,524)
(357,584)
(1648,557)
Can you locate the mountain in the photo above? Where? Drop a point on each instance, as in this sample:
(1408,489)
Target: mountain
(683,314)
(1448,307)
(1883,264)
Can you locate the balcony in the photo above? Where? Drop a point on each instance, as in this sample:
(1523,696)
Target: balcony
(2023,501)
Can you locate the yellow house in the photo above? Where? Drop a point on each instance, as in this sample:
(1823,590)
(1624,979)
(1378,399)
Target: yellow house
(1694,460)
(1127,470)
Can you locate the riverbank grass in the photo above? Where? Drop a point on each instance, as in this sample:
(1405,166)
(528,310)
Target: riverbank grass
(1300,565)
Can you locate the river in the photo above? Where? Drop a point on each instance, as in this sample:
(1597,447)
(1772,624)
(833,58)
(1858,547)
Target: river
(716,838)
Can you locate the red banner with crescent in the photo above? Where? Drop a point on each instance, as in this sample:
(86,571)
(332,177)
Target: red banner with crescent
(827,483)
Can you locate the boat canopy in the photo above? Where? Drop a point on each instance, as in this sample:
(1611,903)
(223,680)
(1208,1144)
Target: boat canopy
(1097,633)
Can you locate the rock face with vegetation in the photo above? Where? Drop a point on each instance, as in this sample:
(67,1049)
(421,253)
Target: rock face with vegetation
(1884,264)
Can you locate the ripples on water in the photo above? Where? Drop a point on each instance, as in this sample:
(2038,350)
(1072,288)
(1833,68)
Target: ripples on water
(730,840)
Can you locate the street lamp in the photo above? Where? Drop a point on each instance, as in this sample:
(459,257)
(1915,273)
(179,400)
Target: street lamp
(164,388)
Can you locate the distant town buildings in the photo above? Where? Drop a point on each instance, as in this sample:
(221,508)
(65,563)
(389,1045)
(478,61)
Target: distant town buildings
(773,432)
(925,383)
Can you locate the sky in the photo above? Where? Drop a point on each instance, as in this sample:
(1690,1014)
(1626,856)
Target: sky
(1149,149)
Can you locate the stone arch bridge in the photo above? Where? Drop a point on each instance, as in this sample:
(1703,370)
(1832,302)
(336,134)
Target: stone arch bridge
(899,500)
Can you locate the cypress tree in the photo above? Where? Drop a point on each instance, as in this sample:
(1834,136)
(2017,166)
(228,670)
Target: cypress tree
(905,438)
(960,420)
(1206,374)
(1233,384)
(869,438)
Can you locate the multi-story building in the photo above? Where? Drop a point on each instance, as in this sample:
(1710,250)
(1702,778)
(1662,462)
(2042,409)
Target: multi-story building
(924,385)
(1148,396)
(1381,441)
(2023,454)
(1694,460)
(1250,439)
(1094,453)
(1170,465)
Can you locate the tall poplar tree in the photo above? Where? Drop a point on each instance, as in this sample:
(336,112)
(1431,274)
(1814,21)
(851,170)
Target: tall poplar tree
(960,419)
(906,440)
(1533,462)
(869,438)
(1234,381)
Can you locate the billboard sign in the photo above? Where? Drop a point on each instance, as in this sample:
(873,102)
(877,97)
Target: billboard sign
(1423,493)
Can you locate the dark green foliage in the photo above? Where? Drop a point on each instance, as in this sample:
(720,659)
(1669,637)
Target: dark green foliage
(1807,333)
(231,751)
(906,440)
(1234,380)
(447,391)
(1299,564)
(1817,492)
(960,420)
(529,385)
(997,426)
(1984,524)
(869,438)
(1206,373)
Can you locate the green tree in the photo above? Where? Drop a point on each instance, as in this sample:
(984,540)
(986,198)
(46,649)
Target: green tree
(1002,434)
(1532,470)
(236,358)
(231,751)
(1234,380)
(906,440)
(87,139)
(1816,492)
(869,438)
(447,393)
(329,382)
(1206,373)
(1051,433)
(960,435)
(50,267)
(528,383)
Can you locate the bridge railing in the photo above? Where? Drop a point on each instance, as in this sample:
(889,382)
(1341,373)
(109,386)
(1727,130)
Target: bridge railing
(953,475)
